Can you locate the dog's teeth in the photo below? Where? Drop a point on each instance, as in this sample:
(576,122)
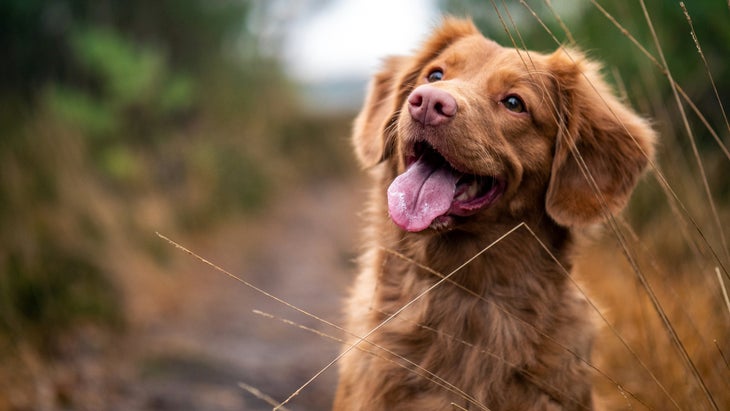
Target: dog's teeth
(473,189)
(470,192)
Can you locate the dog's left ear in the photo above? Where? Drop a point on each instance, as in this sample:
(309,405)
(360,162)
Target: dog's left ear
(370,130)
(602,149)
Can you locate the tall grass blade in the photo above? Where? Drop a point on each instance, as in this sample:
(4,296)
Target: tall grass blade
(677,341)
(259,394)
(663,70)
(704,62)
(723,289)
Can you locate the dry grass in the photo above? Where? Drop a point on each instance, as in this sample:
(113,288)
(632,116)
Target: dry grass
(658,281)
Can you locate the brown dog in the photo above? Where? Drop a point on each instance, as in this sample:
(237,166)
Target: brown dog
(466,140)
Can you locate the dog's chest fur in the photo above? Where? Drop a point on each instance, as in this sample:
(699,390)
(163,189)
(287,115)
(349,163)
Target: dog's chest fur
(495,333)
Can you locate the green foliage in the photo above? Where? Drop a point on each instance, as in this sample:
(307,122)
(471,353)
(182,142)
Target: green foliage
(116,110)
(130,75)
(177,95)
(45,295)
(81,111)
(133,94)
(101,104)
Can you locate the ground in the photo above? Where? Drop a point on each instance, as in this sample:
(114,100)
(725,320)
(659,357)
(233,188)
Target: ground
(200,337)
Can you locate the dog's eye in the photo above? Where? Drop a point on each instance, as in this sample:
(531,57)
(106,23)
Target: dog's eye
(435,75)
(514,104)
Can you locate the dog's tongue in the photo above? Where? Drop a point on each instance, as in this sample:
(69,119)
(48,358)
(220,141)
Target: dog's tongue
(422,193)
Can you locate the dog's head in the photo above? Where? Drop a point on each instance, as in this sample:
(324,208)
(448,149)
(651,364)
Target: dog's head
(472,131)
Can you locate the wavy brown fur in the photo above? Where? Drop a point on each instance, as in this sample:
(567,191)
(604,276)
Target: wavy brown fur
(510,332)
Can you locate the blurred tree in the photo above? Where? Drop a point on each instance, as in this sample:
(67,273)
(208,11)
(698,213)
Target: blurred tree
(38,35)
(109,106)
(103,104)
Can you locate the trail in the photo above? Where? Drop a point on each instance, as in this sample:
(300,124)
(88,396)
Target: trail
(201,338)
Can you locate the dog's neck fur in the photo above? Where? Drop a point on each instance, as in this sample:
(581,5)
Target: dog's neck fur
(482,315)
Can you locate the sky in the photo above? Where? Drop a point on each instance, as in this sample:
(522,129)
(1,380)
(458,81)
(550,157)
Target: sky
(348,38)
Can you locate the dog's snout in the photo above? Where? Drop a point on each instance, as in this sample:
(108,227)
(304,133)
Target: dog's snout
(431,106)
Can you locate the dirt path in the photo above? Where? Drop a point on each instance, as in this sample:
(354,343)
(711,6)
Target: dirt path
(206,338)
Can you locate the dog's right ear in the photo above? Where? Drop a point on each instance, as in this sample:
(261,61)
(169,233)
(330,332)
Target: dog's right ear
(370,134)
(374,134)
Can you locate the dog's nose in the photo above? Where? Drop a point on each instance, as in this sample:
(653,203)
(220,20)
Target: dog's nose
(431,106)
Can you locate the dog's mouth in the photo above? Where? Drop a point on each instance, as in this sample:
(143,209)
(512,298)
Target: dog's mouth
(431,192)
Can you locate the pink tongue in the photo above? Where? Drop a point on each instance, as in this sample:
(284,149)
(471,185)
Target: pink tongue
(422,193)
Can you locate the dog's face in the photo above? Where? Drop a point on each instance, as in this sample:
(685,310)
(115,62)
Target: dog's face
(474,132)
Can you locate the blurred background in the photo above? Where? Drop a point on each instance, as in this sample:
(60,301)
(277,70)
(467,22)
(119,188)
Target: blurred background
(224,125)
